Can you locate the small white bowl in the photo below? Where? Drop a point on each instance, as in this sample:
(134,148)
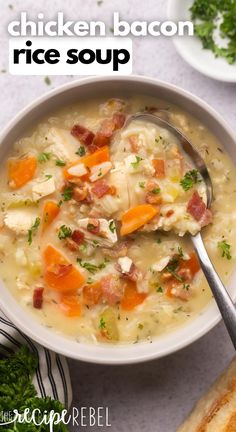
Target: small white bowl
(107,87)
(191,50)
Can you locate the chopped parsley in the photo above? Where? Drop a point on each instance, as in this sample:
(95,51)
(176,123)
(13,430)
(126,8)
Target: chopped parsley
(47,80)
(159,289)
(48,176)
(81,151)
(64,232)
(142,185)
(190,179)
(225,249)
(102,323)
(180,252)
(90,267)
(33,230)
(44,157)
(172,267)
(137,162)
(186,287)
(91,226)
(211,15)
(60,163)
(140,326)
(67,194)
(112,226)
(156,191)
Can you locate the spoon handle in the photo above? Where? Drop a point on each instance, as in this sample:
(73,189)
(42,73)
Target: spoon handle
(223,300)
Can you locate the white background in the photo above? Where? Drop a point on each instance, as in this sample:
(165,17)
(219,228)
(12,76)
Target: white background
(155,396)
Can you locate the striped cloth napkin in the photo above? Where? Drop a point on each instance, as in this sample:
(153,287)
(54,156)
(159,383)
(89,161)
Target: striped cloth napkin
(52,375)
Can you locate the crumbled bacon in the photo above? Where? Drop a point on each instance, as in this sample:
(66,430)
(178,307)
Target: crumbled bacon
(101,188)
(78,237)
(133,140)
(108,127)
(197,208)
(153,196)
(134,274)
(84,135)
(93,226)
(170,213)
(71,244)
(112,289)
(38,298)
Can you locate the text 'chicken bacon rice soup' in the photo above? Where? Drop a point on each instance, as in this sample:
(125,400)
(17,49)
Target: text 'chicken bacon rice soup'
(93,217)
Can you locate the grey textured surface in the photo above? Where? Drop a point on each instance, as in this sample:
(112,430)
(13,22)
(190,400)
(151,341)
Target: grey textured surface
(153,396)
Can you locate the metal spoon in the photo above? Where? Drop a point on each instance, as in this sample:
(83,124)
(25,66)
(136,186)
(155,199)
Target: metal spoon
(223,300)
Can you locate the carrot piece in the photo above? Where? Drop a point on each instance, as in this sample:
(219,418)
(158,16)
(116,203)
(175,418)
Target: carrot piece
(70,305)
(60,275)
(92,294)
(132,297)
(50,212)
(136,217)
(89,161)
(159,166)
(21,171)
(191,264)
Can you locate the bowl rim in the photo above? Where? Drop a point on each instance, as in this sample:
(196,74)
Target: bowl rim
(110,354)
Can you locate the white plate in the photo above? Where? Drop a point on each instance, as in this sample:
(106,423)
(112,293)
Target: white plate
(190,47)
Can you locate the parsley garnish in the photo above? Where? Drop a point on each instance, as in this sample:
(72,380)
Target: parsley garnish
(156,191)
(60,163)
(81,151)
(48,176)
(190,179)
(67,193)
(160,289)
(44,157)
(225,249)
(136,163)
(64,232)
(91,268)
(33,230)
(186,287)
(102,324)
(112,226)
(142,185)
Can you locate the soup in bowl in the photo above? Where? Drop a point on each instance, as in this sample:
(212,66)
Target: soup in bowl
(95,217)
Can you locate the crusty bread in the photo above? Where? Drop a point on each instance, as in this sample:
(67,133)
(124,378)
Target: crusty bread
(215,411)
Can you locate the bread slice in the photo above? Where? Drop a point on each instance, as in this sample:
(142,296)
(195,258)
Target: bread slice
(216,410)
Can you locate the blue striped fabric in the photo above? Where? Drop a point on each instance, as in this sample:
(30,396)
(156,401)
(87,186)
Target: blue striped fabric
(52,375)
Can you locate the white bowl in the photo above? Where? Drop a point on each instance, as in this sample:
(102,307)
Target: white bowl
(118,86)
(190,47)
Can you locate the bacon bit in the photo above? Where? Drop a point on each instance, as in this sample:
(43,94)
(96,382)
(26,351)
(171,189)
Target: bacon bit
(78,237)
(177,291)
(133,140)
(108,127)
(170,213)
(71,244)
(101,188)
(159,166)
(84,135)
(38,298)
(197,208)
(118,251)
(92,294)
(112,289)
(152,197)
(134,274)
(93,226)
(80,193)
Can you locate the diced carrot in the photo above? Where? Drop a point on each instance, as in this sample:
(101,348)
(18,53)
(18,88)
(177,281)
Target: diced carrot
(132,297)
(159,166)
(136,217)
(70,305)
(50,212)
(92,294)
(96,158)
(191,264)
(21,171)
(60,275)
